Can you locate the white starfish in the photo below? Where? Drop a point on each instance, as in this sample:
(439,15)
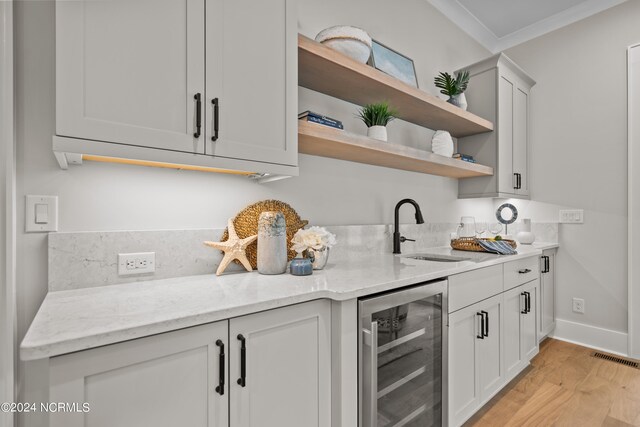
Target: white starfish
(234,248)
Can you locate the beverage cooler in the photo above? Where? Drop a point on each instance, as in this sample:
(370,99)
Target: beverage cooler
(402,357)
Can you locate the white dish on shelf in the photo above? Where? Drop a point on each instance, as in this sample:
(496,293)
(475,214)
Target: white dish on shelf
(351,41)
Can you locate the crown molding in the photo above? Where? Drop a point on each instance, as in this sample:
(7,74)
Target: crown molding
(464,19)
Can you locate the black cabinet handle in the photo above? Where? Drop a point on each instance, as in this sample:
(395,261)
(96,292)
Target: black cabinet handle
(527,302)
(216,117)
(221,370)
(481,335)
(547,264)
(515,186)
(524,271)
(486,320)
(242,381)
(524,310)
(518,178)
(198,98)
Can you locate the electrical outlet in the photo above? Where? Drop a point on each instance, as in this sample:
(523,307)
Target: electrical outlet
(136,263)
(575,216)
(578,305)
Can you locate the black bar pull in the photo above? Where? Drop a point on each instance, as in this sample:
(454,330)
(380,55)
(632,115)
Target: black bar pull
(486,320)
(242,381)
(527,302)
(216,118)
(519,181)
(524,310)
(198,98)
(547,264)
(481,335)
(515,186)
(220,386)
(524,271)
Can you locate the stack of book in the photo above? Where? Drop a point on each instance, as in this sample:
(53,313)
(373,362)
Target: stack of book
(464,157)
(310,116)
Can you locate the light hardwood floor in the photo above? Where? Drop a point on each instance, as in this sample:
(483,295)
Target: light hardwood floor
(565,386)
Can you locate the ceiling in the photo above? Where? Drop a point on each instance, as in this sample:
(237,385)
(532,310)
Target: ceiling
(500,24)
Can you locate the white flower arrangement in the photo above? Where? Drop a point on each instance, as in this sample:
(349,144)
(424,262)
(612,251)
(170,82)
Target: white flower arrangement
(316,238)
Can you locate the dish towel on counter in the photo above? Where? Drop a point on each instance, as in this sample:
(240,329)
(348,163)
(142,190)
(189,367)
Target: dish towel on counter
(497,247)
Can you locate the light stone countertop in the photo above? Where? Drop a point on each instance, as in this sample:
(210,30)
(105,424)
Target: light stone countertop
(74,320)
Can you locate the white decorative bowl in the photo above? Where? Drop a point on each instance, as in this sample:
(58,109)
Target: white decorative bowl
(351,41)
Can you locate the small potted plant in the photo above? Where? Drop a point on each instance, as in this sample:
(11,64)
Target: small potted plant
(377,117)
(454,87)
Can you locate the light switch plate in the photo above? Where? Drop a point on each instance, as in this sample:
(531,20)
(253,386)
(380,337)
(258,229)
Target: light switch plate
(43,222)
(574,216)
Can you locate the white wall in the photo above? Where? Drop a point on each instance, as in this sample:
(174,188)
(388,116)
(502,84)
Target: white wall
(115,197)
(579,156)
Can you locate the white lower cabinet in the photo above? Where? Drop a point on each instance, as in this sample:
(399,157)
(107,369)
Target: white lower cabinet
(194,377)
(520,333)
(492,335)
(547,306)
(287,375)
(164,380)
(476,370)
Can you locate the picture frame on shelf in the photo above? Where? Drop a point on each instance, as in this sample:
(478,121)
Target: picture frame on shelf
(393,63)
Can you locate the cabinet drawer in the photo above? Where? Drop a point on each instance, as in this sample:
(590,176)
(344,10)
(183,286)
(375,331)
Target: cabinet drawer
(473,286)
(521,271)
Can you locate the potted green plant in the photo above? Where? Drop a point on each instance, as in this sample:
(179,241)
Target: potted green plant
(377,117)
(454,87)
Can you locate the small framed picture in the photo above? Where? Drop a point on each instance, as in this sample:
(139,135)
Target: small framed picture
(393,63)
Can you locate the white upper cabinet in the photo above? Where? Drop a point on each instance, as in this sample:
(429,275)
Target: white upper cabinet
(252,76)
(136,81)
(128,71)
(499,90)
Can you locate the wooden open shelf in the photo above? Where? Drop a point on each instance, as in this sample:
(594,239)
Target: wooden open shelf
(319,140)
(324,70)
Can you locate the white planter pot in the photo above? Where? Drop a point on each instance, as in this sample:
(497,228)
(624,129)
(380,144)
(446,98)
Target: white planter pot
(377,132)
(459,101)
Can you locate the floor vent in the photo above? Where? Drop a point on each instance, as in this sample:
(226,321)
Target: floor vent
(616,359)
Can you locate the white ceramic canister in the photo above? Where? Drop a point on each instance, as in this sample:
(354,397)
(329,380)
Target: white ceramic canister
(272,243)
(526,237)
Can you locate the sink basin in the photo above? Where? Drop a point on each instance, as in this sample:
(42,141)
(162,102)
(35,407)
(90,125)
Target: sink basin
(436,258)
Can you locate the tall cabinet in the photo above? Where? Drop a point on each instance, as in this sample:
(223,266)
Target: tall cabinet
(500,91)
(178,81)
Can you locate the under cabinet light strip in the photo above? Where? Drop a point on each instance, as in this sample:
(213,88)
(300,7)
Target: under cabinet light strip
(106,159)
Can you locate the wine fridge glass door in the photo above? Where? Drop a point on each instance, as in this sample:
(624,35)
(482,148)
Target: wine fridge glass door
(402,347)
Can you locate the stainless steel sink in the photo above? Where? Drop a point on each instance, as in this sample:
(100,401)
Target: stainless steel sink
(436,258)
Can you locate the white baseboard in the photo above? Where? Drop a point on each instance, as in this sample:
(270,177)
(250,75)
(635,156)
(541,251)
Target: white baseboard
(591,336)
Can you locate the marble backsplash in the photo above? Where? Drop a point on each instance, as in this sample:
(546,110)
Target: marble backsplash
(90,259)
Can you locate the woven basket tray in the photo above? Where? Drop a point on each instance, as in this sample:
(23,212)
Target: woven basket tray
(471,244)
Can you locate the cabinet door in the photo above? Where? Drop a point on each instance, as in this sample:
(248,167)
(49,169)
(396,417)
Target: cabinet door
(128,71)
(252,71)
(529,328)
(521,138)
(464,390)
(491,363)
(506,89)
(514,305)
(287,381)
(164,380)
(547,310)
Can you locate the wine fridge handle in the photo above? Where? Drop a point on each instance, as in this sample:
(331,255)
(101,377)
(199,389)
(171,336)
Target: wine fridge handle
(371,340)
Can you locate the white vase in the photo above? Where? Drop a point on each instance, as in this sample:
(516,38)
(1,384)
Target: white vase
(351,41)
(442,143)
(526,237)
(272,243)
(377,132)
(459,101)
